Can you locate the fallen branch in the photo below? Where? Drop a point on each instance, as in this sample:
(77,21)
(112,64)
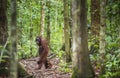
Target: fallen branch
(51,56)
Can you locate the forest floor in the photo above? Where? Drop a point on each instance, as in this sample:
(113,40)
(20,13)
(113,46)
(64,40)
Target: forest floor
(31,65)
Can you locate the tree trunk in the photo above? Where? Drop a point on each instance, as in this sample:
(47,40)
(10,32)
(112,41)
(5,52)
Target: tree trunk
(3,22)
(42,20)
(95,16)
(48,21)
(70,23)
(3,38)
(3,41)
(31,30)
(22,72)
(81,61)
(13,38)
(95,22)
(67,31)
(102,43)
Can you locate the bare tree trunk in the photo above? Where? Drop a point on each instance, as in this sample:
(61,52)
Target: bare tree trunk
(95,17)
(3,38)
(81,61)
(48,21)
(13,38)
(3,22)
(42,20)
(31,29)
(70,23)
(102,43)
(67,30)
(95,22)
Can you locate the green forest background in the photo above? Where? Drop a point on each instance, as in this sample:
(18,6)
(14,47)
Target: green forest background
(30,23)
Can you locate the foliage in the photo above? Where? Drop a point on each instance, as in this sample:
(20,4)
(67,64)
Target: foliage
(65,67)
(112,38)
(29,17)
(112,62)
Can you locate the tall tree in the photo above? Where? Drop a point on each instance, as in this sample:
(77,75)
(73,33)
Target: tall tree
(67,30)
(81,61)
(95,16)
(3,22)
(31,29)
(95,23)
(13,38)
(3,35)
(42,20)
(102,43)
(48,20)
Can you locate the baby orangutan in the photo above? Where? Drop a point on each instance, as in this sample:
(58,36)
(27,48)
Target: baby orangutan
(43,52)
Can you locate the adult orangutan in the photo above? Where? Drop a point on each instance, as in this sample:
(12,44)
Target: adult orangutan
(43,52)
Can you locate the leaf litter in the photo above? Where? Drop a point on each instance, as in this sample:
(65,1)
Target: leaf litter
(31,65)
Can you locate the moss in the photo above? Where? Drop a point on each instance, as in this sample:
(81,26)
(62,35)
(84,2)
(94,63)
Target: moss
(77,73)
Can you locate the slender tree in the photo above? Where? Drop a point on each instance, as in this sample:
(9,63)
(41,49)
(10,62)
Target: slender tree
(3,22)
(95,23)
(3,37)
(102,43)
(13,38)
(95,26)
(81,61)
(48,20)
(42,20)
(95,17)
(31,28)
(67,30)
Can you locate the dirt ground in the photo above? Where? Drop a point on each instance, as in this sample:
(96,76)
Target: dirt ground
(31,65)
